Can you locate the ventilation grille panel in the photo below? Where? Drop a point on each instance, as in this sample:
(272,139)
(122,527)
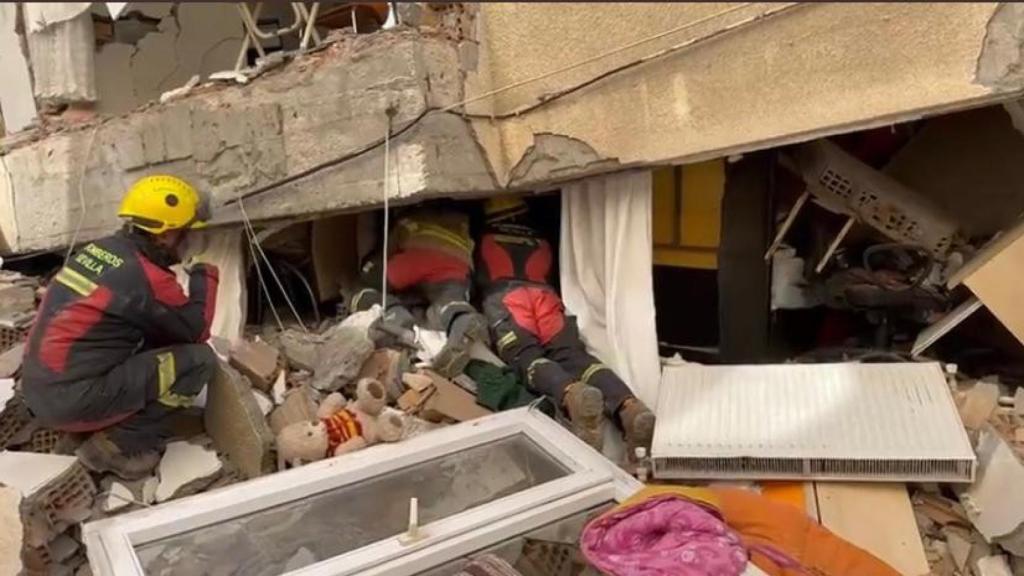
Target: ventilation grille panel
(878,422)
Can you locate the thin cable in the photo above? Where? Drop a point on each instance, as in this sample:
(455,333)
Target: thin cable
(544,100)
(387,220)
(270,267)
(595,58)
(259,279)
(81,195)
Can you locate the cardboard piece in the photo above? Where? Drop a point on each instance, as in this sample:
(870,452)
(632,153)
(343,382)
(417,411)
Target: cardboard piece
(449,402)
(996,279)
(877,518)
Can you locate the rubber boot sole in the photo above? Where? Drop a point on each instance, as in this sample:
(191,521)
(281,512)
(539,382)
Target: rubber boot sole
(588,422)
(640,434)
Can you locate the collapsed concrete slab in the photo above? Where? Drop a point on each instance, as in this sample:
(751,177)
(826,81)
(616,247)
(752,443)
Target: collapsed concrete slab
(230,140)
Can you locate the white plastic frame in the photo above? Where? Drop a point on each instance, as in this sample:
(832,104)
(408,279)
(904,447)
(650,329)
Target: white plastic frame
(592,480)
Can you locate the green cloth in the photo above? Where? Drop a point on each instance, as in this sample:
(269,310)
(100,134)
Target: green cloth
(498,388)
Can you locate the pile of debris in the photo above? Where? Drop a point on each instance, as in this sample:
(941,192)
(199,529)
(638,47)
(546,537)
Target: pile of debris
(978,529)
(265,383)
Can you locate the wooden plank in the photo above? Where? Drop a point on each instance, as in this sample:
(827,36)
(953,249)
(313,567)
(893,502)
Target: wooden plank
(997,284)
(876,517)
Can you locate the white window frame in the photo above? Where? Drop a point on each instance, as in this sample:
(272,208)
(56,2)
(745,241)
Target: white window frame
(592,480)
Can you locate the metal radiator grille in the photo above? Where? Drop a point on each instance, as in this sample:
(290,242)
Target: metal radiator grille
(880,422)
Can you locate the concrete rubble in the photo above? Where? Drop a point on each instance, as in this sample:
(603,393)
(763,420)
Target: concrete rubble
(186,468)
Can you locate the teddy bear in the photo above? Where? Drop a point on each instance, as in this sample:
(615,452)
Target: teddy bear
(340,427)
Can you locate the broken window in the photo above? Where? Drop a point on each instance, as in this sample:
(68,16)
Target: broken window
(513,480)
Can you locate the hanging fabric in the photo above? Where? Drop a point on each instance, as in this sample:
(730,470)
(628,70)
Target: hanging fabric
(606,274)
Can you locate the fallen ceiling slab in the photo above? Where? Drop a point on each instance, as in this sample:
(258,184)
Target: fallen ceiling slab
(870,422)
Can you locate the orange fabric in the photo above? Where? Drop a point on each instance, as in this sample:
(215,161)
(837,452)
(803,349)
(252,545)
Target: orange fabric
(792,493)
(760,520)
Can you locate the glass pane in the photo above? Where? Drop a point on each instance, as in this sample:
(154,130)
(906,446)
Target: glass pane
(551,550)
(321,526)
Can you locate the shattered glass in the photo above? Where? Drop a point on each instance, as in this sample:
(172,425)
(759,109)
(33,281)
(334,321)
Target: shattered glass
(325,525)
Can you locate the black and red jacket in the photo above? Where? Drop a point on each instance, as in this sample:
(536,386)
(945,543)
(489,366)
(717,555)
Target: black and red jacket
(512,254)
(114,298)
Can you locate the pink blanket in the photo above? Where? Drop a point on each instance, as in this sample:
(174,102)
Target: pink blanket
(663,536)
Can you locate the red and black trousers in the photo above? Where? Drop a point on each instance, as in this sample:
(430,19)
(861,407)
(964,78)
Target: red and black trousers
(531,333)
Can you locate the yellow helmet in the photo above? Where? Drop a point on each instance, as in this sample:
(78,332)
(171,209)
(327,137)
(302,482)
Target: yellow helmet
(504,207)
(160,203)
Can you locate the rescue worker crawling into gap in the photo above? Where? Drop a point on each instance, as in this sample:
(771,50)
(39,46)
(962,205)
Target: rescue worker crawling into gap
(532,333)
(430,262)
(117,347)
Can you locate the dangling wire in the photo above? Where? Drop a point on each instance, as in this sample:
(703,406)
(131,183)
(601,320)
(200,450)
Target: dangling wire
(257,252)
(81,195)
(387,229)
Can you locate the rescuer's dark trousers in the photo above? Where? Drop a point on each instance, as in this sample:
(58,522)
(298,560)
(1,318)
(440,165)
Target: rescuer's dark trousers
(133,401)
(531,332)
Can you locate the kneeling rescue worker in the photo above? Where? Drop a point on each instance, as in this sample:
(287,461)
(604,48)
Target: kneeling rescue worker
(117,346)
(532,333)
(430,262)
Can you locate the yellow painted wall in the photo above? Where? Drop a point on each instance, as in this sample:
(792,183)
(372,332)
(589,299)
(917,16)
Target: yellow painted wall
(687,219)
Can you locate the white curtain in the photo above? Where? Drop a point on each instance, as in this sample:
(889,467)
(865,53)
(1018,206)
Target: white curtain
(606,274)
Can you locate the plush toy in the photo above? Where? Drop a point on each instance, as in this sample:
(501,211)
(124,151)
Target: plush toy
(340,427)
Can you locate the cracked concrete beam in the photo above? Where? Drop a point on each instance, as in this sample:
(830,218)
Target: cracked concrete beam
(553,157)
(229,140)
(1001,60)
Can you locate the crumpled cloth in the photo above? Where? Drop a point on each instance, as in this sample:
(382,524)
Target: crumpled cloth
(663,536)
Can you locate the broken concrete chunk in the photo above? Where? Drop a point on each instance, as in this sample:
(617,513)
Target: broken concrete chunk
(341,357)
(257,360)
(10,361)
(184,469)
(980,402)
(299,406)
(280,387)
(149,486)
(386,366)
(959,543)
(61,548)
(264,401)
(118,497)
(300,349)
(993,566)
(994,503)
(57,492)
(30,473)
(940,510)
(237,425)
(11,531)
(17,299)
